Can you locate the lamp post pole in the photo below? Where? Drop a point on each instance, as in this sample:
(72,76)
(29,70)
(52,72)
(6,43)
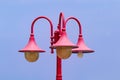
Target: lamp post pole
(57,35)
(58,60)
(59,41)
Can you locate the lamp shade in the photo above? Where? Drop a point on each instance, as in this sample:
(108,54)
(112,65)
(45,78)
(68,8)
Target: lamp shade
(64,42)
(82,47)
(31,46)
(64,46)
(31,50)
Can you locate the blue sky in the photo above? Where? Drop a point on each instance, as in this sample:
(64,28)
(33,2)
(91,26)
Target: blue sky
(100,21)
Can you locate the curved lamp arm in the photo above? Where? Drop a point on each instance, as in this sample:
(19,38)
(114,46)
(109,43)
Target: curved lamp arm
(61,22)
(51,27)
(80,27)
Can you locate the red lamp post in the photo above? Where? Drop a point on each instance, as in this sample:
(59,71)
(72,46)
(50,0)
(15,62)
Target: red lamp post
(59,41)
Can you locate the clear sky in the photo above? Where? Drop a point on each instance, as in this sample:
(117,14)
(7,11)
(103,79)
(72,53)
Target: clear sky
(100,21)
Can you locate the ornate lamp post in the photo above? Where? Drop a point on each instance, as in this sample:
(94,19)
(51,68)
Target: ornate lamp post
(59,41)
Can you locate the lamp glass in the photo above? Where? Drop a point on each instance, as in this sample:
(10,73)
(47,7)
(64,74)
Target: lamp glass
(31,56)
(80,54)
(64,52)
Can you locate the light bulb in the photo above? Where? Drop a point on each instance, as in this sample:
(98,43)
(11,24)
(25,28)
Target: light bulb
(31,56)
(64,52)
(80,54)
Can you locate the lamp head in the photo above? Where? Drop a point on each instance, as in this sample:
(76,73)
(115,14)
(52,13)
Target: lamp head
(82,48)
(64,46)
(31,50)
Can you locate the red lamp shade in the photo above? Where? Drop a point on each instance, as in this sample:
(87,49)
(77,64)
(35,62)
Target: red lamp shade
(64,42)
(31,50)
(82,47)
(64,46)
(31,46)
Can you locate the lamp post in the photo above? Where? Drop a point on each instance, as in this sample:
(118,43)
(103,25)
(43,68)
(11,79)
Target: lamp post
(59,41)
